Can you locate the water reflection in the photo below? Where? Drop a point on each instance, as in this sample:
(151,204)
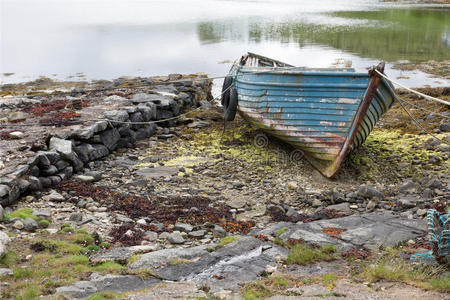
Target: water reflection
(391,35)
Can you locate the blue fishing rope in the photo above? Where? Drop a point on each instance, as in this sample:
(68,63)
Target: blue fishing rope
(439,237)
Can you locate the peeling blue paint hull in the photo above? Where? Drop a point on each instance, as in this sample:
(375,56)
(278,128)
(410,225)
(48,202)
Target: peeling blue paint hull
(324,112)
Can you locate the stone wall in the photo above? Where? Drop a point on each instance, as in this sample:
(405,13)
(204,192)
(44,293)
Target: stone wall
(67,153)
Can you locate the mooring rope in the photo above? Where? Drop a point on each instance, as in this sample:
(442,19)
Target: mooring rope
(420,126)
(421,108)
(413,91)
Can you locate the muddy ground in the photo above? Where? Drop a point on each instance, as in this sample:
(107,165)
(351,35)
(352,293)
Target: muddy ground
(194,197)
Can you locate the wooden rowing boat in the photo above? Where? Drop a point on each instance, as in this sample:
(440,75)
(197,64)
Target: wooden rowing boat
(324,112)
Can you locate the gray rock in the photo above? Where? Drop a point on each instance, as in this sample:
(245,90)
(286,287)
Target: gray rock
(116,115)
(76,217)
(151,236)
(17,115)
(115,99)
(183,227)
(157,172)
(96,174)
(85,178)
(444,127)
(293,215)
(371,205)
(219,231)
(45,182)
(146,112)
(18,224)
(4,241)
(16,135)
(21,170)
(4,190)
(50,170)
(316,203)
(161,258)
(109,138)
(175,238)
(366,230)
(421,212)
(408,201)
(434,184)
(83,152)
(5,271)
(14,194)
(62,164)
(34,171)
(98,283)
(123,219)
(198,265)
(43,214)
(343,208)
(41,159)
(54,196)
(276,210)
(35,183)
(237,203)
(197,234)
(367,191)
(52,157)
(121,254)
(63,147)
(409,187)
(1,213)
(66,173)
(30,225)
(76,162)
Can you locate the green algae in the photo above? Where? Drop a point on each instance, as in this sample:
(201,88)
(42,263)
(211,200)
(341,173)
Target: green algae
(390,154)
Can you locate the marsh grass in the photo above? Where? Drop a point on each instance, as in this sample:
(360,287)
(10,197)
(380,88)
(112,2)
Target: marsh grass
(303,254)
(390,266)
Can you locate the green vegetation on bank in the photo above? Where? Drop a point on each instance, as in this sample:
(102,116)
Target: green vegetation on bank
(54,262)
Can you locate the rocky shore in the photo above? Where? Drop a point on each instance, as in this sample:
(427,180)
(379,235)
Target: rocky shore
(171,207)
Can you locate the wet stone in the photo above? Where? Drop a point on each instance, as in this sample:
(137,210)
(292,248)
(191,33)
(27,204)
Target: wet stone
(367,191)
(197,234)
(30,225)
(175,238)
(76,217)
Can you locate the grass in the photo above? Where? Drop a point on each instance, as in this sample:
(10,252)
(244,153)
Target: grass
(66,228)
(302,254)
(228,240)
(267,287)
(44,223)
(177,261)
(54,263)
(281,231)
(391,267)
(22,213)
(9,259)
(105,295)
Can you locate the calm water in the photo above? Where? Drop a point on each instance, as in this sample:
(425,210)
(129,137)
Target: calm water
(105,39)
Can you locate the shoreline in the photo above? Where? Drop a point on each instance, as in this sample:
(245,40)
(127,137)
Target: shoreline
(181,198)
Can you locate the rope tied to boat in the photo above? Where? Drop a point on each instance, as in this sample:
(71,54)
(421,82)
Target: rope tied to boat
(411,90)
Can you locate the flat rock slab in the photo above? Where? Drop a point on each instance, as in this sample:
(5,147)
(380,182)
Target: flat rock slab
(369,230)
(157,172)
(121,254)
(99,283)
(171,290)
(241,261)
